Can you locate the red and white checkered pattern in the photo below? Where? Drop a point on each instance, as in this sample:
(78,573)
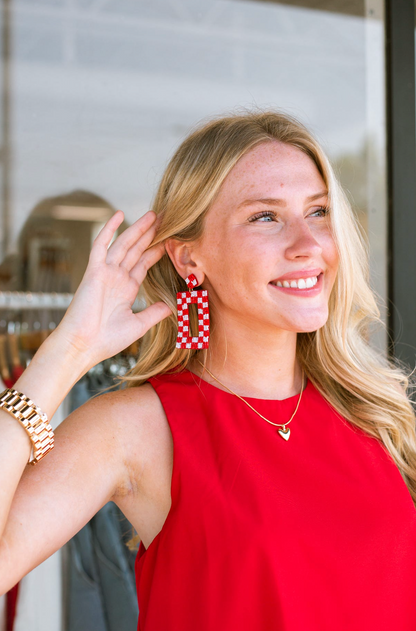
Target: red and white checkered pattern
(184,299)
(191,281)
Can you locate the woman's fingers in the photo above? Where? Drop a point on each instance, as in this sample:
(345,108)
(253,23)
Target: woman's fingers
(104,237)
(137,249)
(129,250)
(152,315)
(145,226)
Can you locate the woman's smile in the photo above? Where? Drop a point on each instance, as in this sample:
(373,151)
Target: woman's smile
(304,286)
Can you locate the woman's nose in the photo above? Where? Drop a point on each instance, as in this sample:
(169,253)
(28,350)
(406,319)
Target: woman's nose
(301,240)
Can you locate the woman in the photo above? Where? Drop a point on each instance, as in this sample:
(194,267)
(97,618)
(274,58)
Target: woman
(270,471)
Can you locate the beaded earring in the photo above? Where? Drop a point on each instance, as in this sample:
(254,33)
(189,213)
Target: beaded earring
(184,299)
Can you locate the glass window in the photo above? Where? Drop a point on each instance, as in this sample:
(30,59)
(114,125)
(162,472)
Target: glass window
(97,94)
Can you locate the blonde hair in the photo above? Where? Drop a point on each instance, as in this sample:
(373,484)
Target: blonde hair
(365,388)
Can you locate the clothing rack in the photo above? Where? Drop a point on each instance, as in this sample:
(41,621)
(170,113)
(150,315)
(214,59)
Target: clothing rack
(26,320)
(19,300)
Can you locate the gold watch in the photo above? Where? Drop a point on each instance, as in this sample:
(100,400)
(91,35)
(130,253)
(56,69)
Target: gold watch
(33,420)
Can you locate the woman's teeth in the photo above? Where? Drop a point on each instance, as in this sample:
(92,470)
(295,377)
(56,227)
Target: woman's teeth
(300,283)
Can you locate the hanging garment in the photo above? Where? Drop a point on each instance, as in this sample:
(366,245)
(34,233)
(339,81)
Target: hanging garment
(115,563)
(85,610)
(317,532)
(11,606)
(101,593)
(3,612)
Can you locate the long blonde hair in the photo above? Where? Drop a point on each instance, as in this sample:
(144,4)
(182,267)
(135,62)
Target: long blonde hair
(370,391)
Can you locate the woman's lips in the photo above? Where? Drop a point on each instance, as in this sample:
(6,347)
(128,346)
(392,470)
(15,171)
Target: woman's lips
(308,291)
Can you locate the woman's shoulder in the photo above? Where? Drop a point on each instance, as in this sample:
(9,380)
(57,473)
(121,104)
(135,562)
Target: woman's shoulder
(130,407)
(137,412)
(141,399)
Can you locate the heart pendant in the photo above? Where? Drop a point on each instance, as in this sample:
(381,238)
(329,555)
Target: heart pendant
(284,434)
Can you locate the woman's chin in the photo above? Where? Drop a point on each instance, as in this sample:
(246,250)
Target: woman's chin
(309,324)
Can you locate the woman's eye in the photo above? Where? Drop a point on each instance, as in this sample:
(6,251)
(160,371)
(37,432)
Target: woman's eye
(268,214)
(323,210)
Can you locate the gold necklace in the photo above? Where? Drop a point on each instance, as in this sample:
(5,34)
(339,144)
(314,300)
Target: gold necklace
(285,432)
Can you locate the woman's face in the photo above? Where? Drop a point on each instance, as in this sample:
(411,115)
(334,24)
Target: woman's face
(266,230)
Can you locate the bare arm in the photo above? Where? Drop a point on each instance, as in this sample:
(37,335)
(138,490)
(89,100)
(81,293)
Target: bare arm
(51,374)
(42,506)
(53,500)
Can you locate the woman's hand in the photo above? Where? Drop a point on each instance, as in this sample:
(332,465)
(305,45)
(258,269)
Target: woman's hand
(100,321)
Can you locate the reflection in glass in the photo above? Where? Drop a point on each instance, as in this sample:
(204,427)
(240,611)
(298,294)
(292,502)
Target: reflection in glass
(101,93)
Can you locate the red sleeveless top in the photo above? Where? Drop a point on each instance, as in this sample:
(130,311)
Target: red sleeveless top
(315,533)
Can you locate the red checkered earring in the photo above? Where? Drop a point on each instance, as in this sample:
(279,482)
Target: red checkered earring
(184,298)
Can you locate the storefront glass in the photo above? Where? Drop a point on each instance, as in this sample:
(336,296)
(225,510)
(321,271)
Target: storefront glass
(97,94)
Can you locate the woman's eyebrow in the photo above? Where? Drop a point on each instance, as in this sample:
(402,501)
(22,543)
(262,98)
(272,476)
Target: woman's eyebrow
(279,202)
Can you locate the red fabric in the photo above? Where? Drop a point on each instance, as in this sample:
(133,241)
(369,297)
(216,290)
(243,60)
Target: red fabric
(11,605)
(12,594)
(315,533)
(17,371)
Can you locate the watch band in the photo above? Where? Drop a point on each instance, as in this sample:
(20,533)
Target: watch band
(33,420)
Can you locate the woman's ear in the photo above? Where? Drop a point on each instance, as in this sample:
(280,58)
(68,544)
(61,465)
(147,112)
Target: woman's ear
(180,254)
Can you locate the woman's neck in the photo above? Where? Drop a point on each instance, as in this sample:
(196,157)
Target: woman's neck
(252,369)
